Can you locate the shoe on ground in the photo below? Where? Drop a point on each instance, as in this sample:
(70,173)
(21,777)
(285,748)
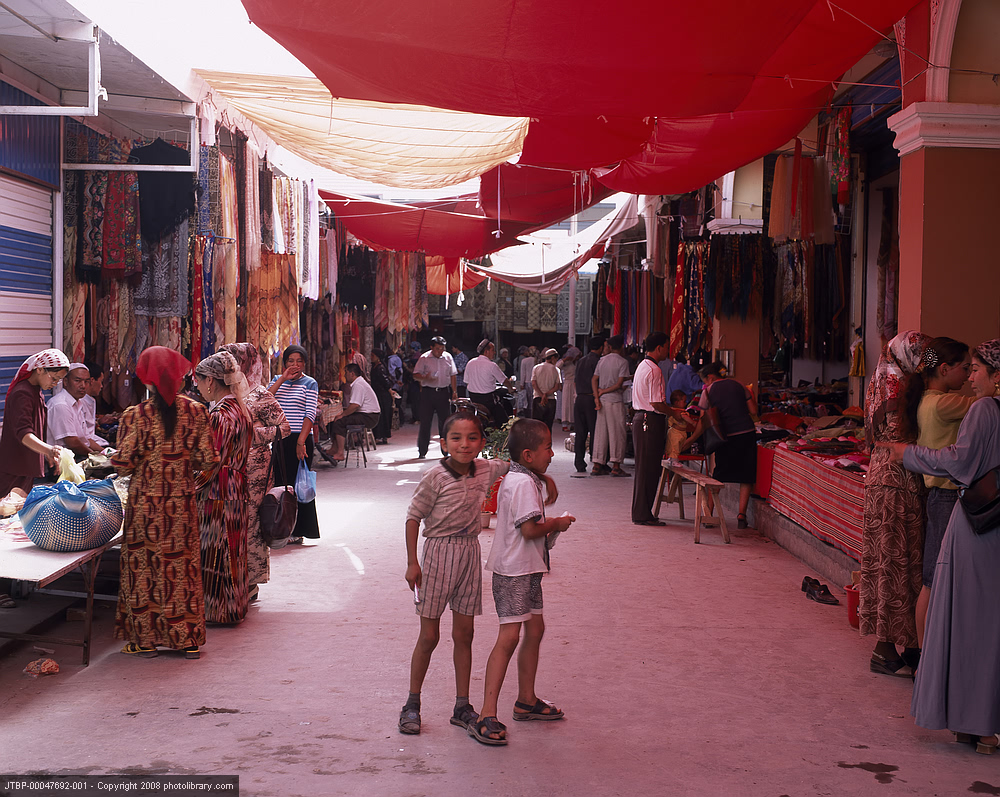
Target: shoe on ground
(409,721)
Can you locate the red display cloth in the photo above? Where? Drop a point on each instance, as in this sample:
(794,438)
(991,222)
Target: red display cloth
(443,276)
(827,502)
(765,472)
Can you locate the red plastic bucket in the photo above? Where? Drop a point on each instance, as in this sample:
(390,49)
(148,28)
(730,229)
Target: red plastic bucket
(852,605)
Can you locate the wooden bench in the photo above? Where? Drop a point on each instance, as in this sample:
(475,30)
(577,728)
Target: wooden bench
(705,487)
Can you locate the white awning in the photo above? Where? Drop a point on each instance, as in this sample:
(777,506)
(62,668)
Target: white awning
(404,146)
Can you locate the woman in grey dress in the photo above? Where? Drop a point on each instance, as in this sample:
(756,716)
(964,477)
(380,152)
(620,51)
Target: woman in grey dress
(956,685)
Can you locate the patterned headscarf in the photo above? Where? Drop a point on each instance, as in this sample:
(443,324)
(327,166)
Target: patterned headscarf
(49,358)
(163,368)
(223,366)
(249,361)
(989,353)
(900,358)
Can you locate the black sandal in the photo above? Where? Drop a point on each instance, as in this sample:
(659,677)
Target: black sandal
(540,711)
(884,666)
(487,729)
(409,720)
(464,717)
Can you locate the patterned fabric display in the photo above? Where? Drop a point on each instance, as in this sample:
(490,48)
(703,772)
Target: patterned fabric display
(66,517)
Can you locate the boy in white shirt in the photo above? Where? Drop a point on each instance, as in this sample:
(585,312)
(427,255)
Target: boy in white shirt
(518,558)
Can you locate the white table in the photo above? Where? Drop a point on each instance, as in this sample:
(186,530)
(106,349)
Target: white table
(25,561)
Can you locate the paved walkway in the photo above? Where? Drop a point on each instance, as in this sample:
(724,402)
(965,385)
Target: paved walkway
(682,669)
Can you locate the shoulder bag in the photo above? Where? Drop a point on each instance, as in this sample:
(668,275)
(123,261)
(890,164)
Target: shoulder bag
(279,508)
(981,500)
(713,435)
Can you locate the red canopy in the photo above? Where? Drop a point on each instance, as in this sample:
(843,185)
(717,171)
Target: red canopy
(726,82)
(538,197)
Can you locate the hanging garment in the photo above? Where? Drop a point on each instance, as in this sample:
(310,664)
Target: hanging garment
(163,289)
(677,309)
(166,198)
(120,239)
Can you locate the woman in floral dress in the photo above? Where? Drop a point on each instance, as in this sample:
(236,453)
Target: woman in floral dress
(222,491)
(269,426)
(162,442)
(892,545)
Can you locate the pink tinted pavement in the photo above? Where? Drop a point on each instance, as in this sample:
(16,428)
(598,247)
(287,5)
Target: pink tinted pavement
(683,669)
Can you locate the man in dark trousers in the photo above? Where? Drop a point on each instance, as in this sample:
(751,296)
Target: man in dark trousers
(649,429)
(584,409)
(435,371)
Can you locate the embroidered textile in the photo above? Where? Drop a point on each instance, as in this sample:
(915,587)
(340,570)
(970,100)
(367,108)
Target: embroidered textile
(163,289)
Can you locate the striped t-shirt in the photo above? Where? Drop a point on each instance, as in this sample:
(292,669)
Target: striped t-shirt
(299,399)
(450,503)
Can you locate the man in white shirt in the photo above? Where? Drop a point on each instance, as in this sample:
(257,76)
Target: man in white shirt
(89,404)
(435,371)
(65,413)
(545,381)
(482,376)
(649,428)
(608,383)
(362,410)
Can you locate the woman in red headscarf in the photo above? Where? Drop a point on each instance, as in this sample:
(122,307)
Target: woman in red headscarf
(162,442)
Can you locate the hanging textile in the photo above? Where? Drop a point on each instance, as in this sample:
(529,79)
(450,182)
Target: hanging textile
(266,202)
(120,238)
(887,262)
(163,289)
(166,198)
(252,225)
(198,297)
(227,257)
(677,308)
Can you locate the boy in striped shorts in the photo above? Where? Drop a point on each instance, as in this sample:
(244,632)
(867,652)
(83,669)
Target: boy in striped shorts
(449,501)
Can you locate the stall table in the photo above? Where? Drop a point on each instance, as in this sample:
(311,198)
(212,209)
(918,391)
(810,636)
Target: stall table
(827,502)
(25,561)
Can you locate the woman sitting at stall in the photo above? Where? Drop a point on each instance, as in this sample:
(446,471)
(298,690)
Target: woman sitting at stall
(269,426)
(736,460)
(23,450)
(298,395)
(222,490)
(932,412)
(381,383)
(956,686)
(892,545)
(162,442)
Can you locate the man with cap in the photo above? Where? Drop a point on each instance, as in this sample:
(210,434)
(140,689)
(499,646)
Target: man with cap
(435,371)
(482,376)
(545,381)
(66,425)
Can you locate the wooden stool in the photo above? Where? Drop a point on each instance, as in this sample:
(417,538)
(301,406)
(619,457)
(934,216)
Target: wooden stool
(355,440)
(705,487)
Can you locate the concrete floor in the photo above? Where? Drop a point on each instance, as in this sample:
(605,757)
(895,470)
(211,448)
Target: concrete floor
(682,669)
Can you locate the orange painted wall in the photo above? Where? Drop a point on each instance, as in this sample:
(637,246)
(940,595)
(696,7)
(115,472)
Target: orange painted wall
(949,243)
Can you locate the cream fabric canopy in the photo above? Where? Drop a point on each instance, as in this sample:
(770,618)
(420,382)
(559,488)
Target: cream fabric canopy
(404,146)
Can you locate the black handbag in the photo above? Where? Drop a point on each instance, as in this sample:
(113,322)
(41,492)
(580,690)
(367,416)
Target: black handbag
(279,508)
(981,500)
(713,436)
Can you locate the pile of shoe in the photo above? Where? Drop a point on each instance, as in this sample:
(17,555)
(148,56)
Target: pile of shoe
(818,592)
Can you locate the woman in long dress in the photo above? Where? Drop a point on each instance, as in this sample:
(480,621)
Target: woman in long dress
(162,442)
(892,545)
(956,686)
(223,497)
(269,426)
(567,395)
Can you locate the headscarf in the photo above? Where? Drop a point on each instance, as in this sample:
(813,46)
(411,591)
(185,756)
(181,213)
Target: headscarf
(293,349)
(989,353)
(49,358)
(899,359)
(572,353)
(249,361)
(223,366)
(163,368)
(74,366)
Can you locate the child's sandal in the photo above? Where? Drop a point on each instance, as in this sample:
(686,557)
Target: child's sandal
(464,717)
(540,711)
(487,731)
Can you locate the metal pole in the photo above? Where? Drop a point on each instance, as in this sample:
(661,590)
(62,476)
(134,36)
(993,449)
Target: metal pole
(571,332)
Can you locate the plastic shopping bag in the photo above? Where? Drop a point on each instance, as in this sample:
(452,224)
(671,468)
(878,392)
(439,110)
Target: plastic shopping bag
(305,483)
(68,469)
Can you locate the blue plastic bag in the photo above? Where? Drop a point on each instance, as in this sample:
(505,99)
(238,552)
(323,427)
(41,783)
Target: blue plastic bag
(305,483)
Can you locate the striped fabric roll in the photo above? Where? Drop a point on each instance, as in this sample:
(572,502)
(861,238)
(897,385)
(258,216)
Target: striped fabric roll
(299,400)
